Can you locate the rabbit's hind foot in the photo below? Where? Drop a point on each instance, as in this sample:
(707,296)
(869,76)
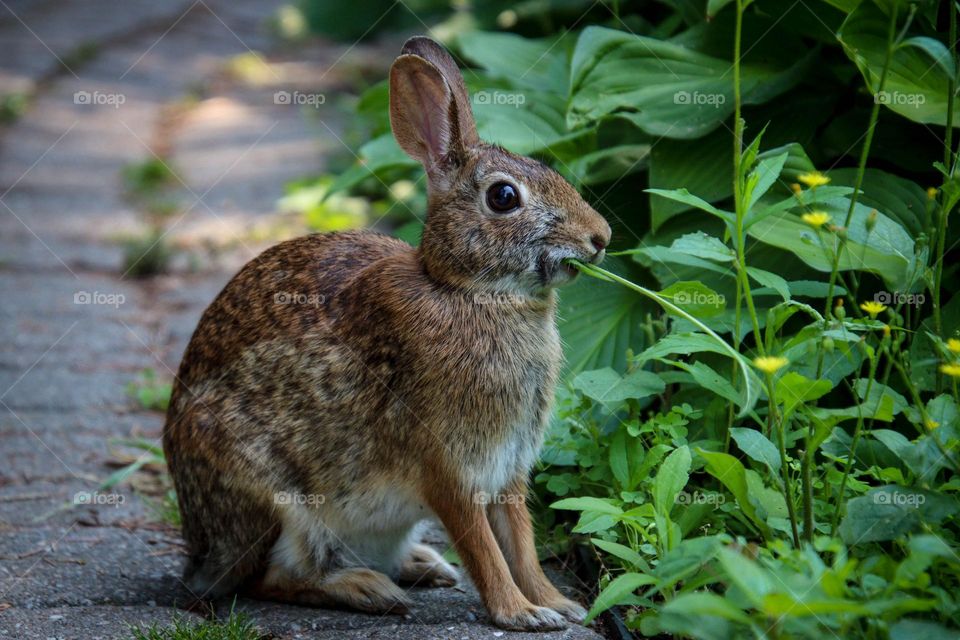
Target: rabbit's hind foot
(424,567)
(354,588)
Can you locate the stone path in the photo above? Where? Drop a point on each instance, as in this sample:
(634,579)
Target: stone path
(112,82)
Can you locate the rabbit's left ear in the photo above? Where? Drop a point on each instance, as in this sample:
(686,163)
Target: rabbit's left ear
(434,53)
(429,107)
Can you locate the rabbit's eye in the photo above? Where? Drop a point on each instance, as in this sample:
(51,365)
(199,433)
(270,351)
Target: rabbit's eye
(503,197)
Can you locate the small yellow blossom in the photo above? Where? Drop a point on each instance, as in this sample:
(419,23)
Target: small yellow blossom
(813,179)
(886,331)
(952,370)
(954,345)
(932,424)
(932,193)
(796,188)
(816,219)
(873,307)
(770,364)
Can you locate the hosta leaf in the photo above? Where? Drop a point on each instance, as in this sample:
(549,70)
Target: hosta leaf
(542,63)
(917,81)
(665,88)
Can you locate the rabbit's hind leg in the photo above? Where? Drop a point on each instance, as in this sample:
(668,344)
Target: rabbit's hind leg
(424,567)
(309,566)
(351,588)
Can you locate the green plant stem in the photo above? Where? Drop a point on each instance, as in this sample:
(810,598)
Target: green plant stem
(864,154)
(738,186)
(949,161)
(775,420)
(806,480)
(857,431)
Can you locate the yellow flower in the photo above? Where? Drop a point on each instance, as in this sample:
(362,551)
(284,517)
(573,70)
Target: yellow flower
(813,179)
(886,331)
(873,307)
(770,364)
(952,370)
(932,424)
(932,193)
(954,345)
(796,188)
(816,219)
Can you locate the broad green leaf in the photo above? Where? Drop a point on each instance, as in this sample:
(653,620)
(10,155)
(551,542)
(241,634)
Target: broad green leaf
(670,480)
(705,604)
(887,249)
(793,389)
(730,471)
(542,64)
(616,591)
(757,446)
(587,503)
(666,89)
(695,298)
(685,197)
(623,552)
(752,579)
(889,512)
(917,81)
(606,385)
(771,280)
(704,246)
(766,173)
(707,378)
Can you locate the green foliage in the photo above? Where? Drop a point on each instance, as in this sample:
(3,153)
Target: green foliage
(146,255)
(237,626)
(814,493)
(150,392)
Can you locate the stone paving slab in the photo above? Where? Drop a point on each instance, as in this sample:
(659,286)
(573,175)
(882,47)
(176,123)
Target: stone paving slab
(91,570)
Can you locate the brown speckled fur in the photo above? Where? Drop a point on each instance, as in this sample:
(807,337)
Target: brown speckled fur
(395,383)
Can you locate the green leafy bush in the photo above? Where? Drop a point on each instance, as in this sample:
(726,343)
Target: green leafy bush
(758,429)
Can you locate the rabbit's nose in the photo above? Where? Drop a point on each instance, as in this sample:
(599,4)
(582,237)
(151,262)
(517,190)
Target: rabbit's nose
(599,243)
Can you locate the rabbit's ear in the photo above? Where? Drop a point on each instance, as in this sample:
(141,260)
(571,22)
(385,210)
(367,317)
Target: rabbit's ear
(435,53)
(426,115)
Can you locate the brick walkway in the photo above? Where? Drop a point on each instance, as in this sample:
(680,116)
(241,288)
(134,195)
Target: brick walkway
(112,82)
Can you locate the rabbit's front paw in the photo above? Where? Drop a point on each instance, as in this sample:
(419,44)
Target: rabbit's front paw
(531,618)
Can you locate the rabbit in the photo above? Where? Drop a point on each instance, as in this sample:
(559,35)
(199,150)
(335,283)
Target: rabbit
(344,388)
